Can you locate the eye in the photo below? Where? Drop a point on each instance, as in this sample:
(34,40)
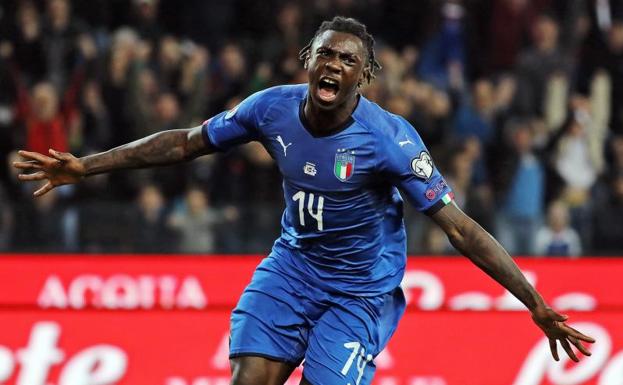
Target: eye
(323,52)
(349,60)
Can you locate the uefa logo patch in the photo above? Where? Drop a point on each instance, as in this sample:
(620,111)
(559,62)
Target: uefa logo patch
(422,166)
(344,165)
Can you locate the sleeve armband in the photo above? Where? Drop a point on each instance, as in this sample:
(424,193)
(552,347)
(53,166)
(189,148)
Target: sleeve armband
(442,202)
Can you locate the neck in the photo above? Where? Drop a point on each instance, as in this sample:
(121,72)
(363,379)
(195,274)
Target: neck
(323,121)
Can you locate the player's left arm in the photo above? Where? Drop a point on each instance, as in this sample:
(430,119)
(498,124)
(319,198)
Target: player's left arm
(485,252)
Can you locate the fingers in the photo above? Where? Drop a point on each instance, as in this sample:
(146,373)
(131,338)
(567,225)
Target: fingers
(567,347)
(30,177)
(63,156)
(574,333)
(34,156)
(46,187)
(28,165)
(554,348)
(579,345)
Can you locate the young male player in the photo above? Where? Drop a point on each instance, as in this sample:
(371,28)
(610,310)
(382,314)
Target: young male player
(329,291)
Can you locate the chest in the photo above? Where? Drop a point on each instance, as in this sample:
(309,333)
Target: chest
(341,162)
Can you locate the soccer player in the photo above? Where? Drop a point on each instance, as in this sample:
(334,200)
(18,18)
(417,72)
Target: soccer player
(329,291)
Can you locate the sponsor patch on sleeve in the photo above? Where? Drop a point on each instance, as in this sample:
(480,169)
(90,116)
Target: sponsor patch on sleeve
(435,190)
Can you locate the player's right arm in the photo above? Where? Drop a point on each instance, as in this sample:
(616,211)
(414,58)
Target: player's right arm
(220,133)
(163,148)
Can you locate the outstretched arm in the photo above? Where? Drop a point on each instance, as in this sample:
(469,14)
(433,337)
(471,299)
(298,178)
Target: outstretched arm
(163,148)
(484,251)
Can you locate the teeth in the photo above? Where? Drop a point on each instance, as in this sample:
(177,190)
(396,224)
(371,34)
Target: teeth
(330,81)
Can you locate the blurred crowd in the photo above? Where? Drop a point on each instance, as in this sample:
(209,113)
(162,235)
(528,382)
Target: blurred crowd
(519,101)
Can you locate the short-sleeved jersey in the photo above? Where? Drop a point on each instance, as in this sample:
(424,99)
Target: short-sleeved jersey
(343,222)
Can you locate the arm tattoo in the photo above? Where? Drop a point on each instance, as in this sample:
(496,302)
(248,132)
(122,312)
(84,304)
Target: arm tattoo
(485,252)
(163,148)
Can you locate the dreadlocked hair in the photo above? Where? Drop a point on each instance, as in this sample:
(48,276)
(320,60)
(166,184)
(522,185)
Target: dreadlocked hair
(354,27)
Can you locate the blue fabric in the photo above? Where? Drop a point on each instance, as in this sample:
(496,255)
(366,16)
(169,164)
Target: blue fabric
(282,316)
(345,232)
(445,47)
(527,190)
(469,123)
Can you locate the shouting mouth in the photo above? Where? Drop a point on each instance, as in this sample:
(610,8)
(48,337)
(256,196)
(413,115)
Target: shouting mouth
(328,89)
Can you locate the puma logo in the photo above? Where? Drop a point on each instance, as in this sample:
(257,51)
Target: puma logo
(285,146)
(405,142)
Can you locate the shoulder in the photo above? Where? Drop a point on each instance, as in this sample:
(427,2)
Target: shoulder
(380,122)
(268,98)
(282,92)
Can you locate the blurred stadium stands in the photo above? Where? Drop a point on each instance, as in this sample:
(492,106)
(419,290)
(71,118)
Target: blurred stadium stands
(519,102)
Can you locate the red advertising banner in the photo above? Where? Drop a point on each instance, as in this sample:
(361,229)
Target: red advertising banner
(164,321)
(177,282)
(190,348)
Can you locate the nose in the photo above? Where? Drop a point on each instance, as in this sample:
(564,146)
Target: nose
(333,64)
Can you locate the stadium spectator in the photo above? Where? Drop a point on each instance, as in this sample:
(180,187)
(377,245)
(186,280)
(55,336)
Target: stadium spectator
(430,109)
(46,127)
(509,27)
(577,160)
(284,42)
(537,65)
(25,39)
(145,20)
(520,180)
(94,123)
(115,86)
(48,217)
(557,238)
(608,219)
(196,222)
(443,56)
(609,58)
(229,75)
(475,118)
(152,233)
(64,37)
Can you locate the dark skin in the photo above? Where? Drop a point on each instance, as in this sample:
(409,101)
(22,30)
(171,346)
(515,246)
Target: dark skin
(340,56)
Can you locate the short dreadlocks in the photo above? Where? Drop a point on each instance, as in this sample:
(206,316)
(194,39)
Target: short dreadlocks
(354,27)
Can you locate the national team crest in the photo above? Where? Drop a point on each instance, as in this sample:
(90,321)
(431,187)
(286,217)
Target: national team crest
(344,165)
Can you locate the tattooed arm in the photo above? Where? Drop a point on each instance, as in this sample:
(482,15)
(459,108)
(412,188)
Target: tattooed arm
(485,252)
(163,148)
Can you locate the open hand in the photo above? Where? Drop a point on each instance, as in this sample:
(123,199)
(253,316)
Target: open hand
(58,169)
(554,327)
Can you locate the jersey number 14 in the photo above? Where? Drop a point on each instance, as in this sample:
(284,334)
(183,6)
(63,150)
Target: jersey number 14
(317,215)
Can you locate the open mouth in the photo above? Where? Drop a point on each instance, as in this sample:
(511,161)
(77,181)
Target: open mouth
(327,89)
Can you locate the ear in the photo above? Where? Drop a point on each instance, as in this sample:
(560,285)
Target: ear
(365,75)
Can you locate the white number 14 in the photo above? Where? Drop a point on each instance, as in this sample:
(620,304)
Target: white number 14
(300,197)
(362,359)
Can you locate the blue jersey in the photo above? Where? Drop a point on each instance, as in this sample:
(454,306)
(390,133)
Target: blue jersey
(342,227)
